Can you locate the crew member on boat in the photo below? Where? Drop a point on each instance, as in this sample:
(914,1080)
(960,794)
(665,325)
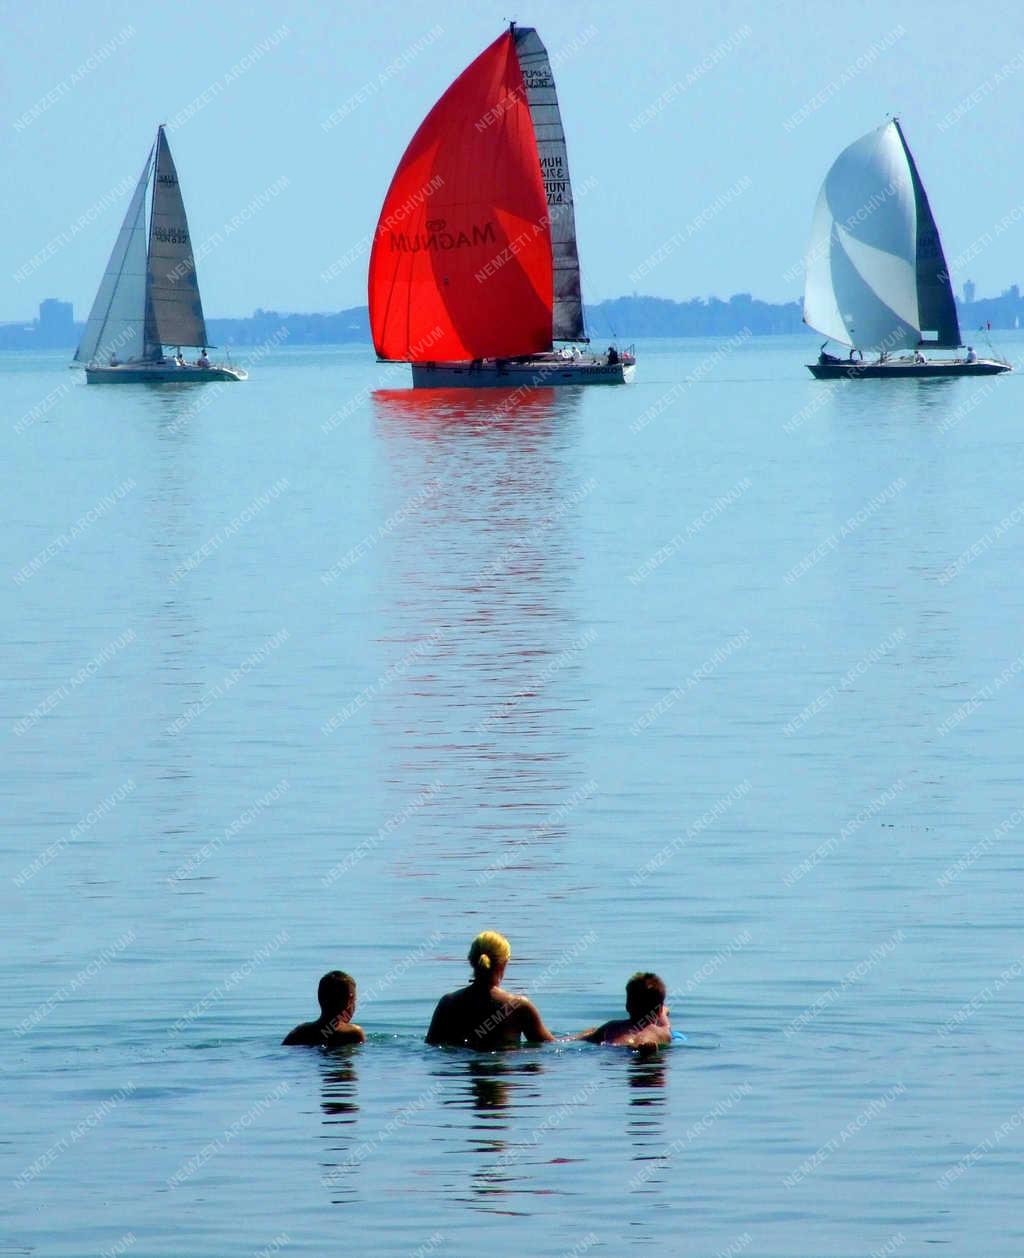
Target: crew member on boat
(202,360)
(972,357)
(613,355)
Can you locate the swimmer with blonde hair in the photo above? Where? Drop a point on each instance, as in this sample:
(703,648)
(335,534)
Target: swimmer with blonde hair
(483,1015)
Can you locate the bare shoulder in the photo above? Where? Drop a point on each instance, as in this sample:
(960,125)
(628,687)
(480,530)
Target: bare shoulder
(439,1030)
(347,1033)
(625,1036)
(305,1033)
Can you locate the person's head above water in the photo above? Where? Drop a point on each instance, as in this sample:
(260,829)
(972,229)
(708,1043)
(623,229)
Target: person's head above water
(337,994)
(645,995)
(488,955)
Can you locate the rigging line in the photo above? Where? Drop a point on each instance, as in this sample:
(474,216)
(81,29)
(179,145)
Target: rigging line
(583,307)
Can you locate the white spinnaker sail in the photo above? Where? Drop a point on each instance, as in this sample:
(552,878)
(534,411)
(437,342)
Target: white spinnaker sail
(117,320)
(567,307)
(861,283)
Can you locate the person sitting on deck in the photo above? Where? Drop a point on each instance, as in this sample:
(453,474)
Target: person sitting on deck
(114,360)
(972,357)
(919,357)
(483,1015)
(613,355)
(202,360)
(647,1025)
(337,996)
(179,359)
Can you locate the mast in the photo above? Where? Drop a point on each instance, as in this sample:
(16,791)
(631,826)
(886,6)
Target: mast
(152,349)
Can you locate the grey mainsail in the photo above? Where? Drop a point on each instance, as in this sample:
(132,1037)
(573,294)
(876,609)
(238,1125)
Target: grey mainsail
(174,309)
(937,306)
(117,319)
(547,125)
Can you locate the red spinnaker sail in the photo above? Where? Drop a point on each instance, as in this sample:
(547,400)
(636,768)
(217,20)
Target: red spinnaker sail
(461,261)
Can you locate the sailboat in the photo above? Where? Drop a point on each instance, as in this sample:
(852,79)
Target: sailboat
(149,295)
(474,271)
(877,279)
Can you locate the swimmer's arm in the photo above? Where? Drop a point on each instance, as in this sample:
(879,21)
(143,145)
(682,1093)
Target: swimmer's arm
(593,1036)
(531,1024)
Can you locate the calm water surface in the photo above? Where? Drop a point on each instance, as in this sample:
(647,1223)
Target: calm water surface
(717,675)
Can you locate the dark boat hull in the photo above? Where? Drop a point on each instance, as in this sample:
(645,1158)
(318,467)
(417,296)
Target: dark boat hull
(162,373)
(901,369)
(540,371)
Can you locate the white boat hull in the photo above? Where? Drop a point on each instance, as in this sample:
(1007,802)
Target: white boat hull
(163,373)
(540,372)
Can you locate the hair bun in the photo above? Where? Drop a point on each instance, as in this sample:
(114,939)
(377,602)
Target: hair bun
(485,961)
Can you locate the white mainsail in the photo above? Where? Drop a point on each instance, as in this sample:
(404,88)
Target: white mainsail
(117,320)
(876,276)
(542,99)
(175,310)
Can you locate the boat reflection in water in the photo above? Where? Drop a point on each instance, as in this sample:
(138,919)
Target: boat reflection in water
(480,633)
(495,410)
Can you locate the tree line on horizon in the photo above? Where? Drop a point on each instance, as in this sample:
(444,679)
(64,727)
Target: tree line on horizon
(619,318)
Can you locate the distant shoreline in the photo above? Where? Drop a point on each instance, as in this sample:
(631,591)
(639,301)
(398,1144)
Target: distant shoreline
(619,319)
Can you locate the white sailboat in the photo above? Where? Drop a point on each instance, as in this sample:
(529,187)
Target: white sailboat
(149,298)
(877,279)
(474,273)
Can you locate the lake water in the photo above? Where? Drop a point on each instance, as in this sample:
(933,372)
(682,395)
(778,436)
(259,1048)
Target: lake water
(718,675)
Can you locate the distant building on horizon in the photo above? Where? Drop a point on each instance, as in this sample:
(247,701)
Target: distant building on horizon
(54,328)
(56,323)
(969,291)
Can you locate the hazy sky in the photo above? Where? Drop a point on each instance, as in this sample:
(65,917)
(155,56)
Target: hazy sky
(702,134)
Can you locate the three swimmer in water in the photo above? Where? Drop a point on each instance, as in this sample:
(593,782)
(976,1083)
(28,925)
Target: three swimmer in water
(482,1015)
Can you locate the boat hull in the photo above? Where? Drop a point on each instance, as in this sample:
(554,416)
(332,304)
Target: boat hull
(901,369)
(530,373)
(163,373)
